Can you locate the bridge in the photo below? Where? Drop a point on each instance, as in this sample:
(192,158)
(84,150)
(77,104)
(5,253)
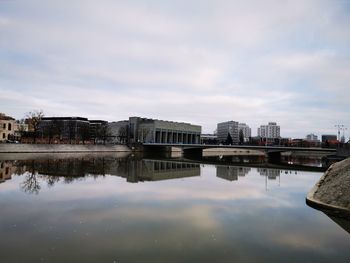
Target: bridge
(272,152)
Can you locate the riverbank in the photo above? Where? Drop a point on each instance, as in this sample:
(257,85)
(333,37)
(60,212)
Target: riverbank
(331,194)
(60,148)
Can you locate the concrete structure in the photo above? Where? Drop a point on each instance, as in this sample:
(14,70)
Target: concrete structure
(60,148)
(331,193)
(247,131)
(270,131)
(226,128)
(7,127)
(143,130)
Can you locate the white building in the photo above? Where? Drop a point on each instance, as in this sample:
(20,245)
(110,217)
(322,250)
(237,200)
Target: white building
(247,131)
(311,137)
(228,127)
(271,131)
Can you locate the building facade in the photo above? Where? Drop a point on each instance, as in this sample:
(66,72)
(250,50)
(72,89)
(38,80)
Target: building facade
(312,137)
(270,131)
(246,130)
(98,129)
(146,130)
(228,128)
(7,127)
(329,138)
(119,131)
(65,128)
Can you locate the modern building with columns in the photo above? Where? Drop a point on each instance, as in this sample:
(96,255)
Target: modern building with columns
(158,131)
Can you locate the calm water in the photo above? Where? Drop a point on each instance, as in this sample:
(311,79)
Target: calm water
(124,209)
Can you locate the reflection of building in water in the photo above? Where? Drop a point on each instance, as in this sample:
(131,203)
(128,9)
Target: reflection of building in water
(270,173)
(154,170)
(231,173)
(134,170)
(6,171)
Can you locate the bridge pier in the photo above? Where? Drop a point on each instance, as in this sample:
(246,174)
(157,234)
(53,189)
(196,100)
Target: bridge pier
(274,156)
(192,152)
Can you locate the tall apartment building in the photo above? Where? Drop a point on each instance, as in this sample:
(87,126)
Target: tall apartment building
(247,131)
(271,131)
(228,127)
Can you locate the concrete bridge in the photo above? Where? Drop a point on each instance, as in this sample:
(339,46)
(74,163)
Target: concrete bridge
(273,152)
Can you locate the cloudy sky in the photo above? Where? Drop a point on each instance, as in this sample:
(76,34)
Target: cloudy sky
(196,61)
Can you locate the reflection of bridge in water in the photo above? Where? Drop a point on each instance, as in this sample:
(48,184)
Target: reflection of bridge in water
(133,169)
(273,152)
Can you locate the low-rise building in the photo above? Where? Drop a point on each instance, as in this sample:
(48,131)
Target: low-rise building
(66,129)
(329,138)
(209,139)
(159,131)
(7,127)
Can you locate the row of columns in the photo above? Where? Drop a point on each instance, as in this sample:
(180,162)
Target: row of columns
(166,136)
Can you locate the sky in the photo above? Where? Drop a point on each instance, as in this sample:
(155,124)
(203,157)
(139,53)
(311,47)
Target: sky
(201,62)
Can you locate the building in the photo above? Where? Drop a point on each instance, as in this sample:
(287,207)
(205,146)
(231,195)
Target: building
(246,130)
(329,138)
(7,127)
(224,129)
(270,131)
(312,137)
(209,138)
(66,129)
(97,129)
(119,131)
(158,131)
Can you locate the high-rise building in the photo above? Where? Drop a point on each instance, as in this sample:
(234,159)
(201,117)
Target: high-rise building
(247,131)
(271,131)
(226,128)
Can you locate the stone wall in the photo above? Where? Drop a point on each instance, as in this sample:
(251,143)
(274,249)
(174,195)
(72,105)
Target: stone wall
(56,148)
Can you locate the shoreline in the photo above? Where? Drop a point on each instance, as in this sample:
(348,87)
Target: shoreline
(61,148)
(328,194)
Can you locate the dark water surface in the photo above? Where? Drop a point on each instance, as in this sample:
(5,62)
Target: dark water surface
(124,209)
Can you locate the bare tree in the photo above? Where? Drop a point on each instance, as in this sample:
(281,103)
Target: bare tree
(103,133)
(123,134)
(34,117)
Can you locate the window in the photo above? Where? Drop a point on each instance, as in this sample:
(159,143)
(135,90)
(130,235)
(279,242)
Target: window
(4,126)
(3,135)
(9,126)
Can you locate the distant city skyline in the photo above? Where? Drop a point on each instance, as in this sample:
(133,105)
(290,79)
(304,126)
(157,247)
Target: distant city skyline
(202,62)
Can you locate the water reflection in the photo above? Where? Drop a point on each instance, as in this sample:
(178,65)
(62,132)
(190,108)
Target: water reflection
(68,170)
(6,171)
(93,213)
(231,173)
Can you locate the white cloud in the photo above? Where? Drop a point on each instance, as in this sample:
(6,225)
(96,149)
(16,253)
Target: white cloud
(204,63)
